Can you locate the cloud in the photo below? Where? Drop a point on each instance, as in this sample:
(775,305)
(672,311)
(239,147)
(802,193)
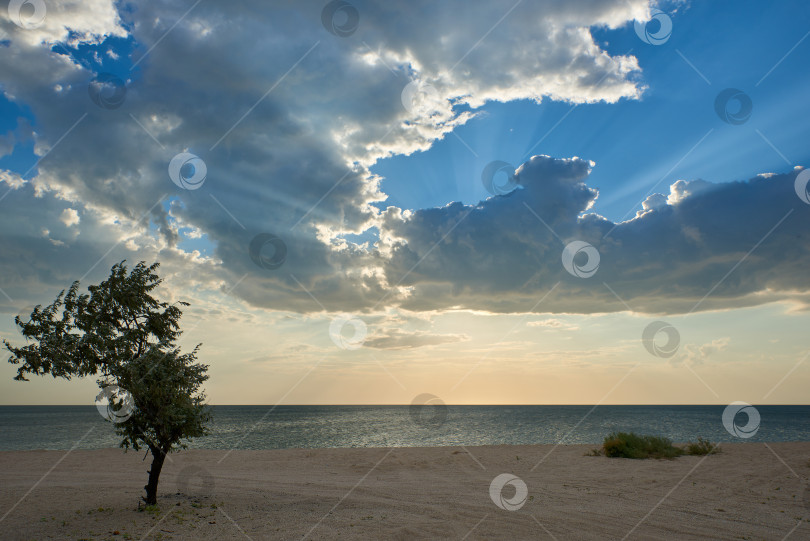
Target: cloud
(401,339)
(69,217)
(6,144)
(554,324)
(11,179)
(287,123)
(709,246)
(66,21)
(697,354)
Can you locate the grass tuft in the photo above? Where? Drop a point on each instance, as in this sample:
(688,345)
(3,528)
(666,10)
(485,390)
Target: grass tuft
(702,447)
(631,445)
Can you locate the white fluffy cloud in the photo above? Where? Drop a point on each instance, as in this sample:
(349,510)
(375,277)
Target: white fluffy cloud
(62,21)
(69,217)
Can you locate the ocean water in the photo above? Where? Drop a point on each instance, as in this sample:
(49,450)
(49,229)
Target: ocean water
(265,427)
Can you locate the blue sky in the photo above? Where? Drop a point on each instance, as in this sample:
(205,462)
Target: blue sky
(381,207)
(637,143)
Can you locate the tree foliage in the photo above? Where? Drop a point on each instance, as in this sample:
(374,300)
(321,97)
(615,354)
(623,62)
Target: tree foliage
(119,331)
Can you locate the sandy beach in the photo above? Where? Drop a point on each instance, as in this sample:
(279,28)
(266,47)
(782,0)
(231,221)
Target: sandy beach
(750,491)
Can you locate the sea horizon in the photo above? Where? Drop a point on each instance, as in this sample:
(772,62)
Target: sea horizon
(258,427)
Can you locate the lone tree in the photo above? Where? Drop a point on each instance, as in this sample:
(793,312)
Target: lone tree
(127,336)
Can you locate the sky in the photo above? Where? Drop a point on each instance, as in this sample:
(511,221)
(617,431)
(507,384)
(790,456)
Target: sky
(580,202)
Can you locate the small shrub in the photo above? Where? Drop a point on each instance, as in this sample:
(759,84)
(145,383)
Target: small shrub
(631,445)
(702,447)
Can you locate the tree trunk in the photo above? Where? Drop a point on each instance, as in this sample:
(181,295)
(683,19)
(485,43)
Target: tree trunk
(151,487)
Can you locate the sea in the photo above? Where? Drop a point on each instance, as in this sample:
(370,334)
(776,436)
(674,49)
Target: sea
(284,427)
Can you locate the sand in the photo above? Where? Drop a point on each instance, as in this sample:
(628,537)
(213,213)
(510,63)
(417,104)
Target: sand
(750,491)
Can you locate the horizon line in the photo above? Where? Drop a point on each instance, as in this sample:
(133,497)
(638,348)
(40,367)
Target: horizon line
(408,405)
